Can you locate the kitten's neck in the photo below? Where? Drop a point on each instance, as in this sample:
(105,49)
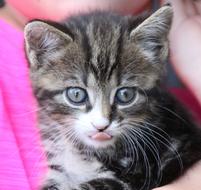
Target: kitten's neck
(90,152)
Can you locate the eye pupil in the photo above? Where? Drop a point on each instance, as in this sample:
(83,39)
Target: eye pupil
(76,94)
(125,94)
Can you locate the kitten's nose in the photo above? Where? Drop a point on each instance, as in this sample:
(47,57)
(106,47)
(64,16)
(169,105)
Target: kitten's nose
(101,127)
(101,123)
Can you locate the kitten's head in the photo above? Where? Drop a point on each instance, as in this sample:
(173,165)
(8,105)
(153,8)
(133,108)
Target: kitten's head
(92,74)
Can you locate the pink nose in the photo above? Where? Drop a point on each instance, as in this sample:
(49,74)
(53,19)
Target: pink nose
(100,127)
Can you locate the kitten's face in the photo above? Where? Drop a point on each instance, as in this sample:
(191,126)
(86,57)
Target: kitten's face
(91,75)
(103,110)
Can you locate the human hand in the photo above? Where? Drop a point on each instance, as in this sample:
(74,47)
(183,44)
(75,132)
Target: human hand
(185,43)
(190,181)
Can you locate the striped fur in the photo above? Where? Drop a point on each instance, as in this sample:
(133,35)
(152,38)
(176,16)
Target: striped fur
(153,140)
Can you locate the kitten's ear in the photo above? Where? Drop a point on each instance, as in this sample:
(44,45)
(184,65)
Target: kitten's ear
(152,34)
(43,39)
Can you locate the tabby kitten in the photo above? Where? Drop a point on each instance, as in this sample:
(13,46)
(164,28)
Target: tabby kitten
(105,120)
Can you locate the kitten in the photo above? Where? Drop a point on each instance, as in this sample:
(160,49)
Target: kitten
(105,119)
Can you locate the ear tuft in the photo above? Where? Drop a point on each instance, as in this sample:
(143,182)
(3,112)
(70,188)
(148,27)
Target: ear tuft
(41,37)
(39,34)
(152,34)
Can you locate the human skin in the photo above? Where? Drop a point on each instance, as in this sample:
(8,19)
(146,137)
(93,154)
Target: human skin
(185,43)
(19,12)
(190,181)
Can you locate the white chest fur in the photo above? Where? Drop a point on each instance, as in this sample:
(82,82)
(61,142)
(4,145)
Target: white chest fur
(77,169)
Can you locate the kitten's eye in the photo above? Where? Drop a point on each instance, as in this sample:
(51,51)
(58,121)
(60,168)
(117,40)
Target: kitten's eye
(76,95)
(125,95)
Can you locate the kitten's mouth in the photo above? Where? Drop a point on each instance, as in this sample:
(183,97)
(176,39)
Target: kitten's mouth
(101,136)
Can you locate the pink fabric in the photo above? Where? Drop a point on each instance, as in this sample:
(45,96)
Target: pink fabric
(189,101)
(21,158)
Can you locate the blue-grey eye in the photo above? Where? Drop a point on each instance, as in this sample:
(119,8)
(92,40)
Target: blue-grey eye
(125,95)
(76,95)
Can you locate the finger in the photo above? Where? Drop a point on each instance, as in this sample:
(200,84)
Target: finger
(198,6)
(183,9)
(191,8)
(178,7)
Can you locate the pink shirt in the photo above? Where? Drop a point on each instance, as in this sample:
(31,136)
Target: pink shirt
(21,158)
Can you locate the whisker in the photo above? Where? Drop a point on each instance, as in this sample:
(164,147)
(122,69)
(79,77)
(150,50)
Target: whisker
(37,109)
(173,113)
(162,139)
(155,152)
(133,154)
(146,160)
(168,145)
